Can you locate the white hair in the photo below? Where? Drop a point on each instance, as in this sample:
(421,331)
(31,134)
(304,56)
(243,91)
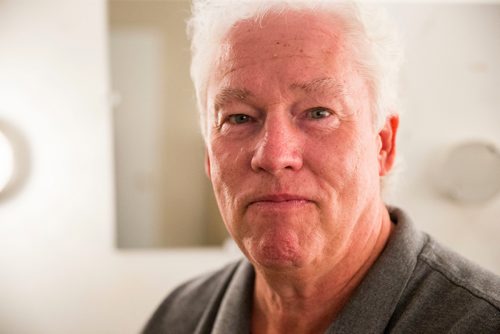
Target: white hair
(367,32)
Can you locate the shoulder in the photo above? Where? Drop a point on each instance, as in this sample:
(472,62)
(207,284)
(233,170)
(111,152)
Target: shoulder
(462,273)
(448,293)
(184,308)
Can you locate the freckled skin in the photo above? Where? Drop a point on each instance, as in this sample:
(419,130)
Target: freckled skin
(333,163)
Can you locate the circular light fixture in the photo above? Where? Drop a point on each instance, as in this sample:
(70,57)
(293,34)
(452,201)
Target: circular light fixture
(470,173)
(6,162)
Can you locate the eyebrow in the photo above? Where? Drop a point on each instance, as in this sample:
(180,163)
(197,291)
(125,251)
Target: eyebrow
(230,94)
(322,85)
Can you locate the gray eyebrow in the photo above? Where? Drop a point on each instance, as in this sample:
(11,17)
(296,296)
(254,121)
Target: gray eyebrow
(322,85)
(229,94)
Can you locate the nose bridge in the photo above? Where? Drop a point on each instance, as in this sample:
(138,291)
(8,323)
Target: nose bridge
(277,129)
(279,145)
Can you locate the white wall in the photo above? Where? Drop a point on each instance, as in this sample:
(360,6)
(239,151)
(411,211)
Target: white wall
(451,93)
(60,271)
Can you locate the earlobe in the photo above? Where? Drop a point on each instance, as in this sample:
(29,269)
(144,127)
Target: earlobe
(387,149)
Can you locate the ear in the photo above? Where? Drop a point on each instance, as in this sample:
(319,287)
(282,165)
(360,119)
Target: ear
(387,144)
(207,166)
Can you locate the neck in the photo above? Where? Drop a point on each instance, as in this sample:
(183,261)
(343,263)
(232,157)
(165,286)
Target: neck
(287,302)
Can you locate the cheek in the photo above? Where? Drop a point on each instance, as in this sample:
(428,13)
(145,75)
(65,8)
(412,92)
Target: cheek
(333,157)
(365,175)
(228,165)
(229,157)
(221,171)
(343,162)
(223,192)
(221,179)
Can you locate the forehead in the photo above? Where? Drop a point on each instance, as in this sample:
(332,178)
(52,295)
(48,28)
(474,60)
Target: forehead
(299,25)
(278,38)
(281,59)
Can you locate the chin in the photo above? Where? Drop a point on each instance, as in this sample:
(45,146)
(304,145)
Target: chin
(276,251)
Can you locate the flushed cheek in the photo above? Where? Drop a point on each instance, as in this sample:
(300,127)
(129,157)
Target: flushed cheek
(229,210)
(228,176)
(222,182)
(332,163)
(353,179)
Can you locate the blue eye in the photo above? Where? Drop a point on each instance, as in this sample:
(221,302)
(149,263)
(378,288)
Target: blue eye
(318,113)
(239,119)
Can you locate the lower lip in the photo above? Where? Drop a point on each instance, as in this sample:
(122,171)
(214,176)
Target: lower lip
(285,205)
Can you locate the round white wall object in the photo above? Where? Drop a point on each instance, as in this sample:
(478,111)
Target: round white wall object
(470,173)
(6,162)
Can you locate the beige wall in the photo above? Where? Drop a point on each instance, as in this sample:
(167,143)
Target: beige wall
(163,196)
(60,270)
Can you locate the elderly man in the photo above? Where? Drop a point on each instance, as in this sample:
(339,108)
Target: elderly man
(297,106)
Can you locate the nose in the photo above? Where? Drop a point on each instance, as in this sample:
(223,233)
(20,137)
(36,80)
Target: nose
(279,147)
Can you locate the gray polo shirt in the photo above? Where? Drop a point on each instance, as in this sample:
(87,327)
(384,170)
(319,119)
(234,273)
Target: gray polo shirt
(415,286)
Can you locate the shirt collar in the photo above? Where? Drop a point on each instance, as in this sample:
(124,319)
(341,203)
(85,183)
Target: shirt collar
(234,314)
(371,306)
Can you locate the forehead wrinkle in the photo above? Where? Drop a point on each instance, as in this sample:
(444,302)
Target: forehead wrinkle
(321,85)
(229,94)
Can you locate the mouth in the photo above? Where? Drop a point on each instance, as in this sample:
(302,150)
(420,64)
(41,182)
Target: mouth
(279,201)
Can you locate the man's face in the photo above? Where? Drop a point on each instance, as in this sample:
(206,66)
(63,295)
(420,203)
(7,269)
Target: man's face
(292,152)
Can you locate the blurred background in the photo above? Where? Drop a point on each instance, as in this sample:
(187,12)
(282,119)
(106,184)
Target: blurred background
(107,207)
